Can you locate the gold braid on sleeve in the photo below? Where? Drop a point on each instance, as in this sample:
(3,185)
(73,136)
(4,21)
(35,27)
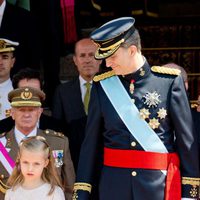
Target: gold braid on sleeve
(194,182)
(3,187)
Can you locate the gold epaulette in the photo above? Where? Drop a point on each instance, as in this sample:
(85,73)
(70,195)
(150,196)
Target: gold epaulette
(3,187)
(103,76)
(194,182)
(80,186)
(194,103)
(54,133)
(165,70)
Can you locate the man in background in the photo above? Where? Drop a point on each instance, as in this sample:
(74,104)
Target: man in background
(7,60)
(72,98)
(28,77)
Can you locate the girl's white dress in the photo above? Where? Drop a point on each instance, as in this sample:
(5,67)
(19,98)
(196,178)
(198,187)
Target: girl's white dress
(39,193)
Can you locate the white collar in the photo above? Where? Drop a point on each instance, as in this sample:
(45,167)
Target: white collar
(83,81)
(20,136)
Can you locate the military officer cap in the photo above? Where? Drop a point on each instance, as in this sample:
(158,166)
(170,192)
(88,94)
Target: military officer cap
(7,45)
(26,96)
(111,35)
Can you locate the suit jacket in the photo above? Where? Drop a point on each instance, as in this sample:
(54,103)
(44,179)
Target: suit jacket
(68,106)
(46,122)
(57,142)
(18,25)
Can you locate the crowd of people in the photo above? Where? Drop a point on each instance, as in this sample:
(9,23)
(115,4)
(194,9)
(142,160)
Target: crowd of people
(124,133)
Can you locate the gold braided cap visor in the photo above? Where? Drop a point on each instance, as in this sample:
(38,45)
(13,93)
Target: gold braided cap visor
(26,103)
(8,49)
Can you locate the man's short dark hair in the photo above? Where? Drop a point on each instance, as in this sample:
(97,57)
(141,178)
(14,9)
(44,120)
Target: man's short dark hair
(26,73)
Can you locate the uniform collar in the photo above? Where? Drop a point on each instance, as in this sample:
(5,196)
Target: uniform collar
(141,73)
(20,136)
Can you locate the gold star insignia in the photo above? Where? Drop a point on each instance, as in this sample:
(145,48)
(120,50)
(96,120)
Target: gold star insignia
(144,113)
(154,123)
(162,113)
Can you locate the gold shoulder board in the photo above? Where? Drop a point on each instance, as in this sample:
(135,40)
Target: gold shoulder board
(54,133)
(165,70)
(104,76)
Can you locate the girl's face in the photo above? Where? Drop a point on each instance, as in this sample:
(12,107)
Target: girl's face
(32,164)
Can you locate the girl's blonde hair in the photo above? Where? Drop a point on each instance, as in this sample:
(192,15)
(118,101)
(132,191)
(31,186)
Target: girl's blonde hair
(49,174)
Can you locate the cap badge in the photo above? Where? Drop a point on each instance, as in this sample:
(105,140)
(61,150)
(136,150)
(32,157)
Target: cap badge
(2,44)
(26,95)
(152,99)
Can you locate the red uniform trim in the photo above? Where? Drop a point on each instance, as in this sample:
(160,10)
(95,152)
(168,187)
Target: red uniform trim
(149,160)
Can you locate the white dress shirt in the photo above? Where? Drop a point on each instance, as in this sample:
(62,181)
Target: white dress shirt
(20,136)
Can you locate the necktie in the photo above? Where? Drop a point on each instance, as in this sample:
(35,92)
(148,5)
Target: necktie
(87,96)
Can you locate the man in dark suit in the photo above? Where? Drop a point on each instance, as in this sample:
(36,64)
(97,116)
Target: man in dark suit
(26,110)
(18,25)
(28,77)
(69,97)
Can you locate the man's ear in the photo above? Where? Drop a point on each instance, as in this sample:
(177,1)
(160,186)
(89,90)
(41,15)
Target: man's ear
(13,62)
(12,113)
(41,110)
(133,49)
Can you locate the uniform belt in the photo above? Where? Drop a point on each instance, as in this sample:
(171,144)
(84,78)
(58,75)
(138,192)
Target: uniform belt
(138,159)
(149,160)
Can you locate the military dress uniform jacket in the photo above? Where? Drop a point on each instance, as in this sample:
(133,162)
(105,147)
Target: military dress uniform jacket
(174,128)
(56,141)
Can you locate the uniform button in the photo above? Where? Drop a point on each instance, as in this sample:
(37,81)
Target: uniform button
(134,173)
(2,176)
(133,144)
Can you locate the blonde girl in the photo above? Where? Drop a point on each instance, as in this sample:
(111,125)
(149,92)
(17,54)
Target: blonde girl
(34,176)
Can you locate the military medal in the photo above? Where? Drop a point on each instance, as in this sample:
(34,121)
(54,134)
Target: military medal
(162,113)
(144,113)
(131,86)
(58,156)
(152,99)
(154,123)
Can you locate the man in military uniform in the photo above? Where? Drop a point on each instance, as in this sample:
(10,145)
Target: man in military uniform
(142,115)
(26,110)
(7,60)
